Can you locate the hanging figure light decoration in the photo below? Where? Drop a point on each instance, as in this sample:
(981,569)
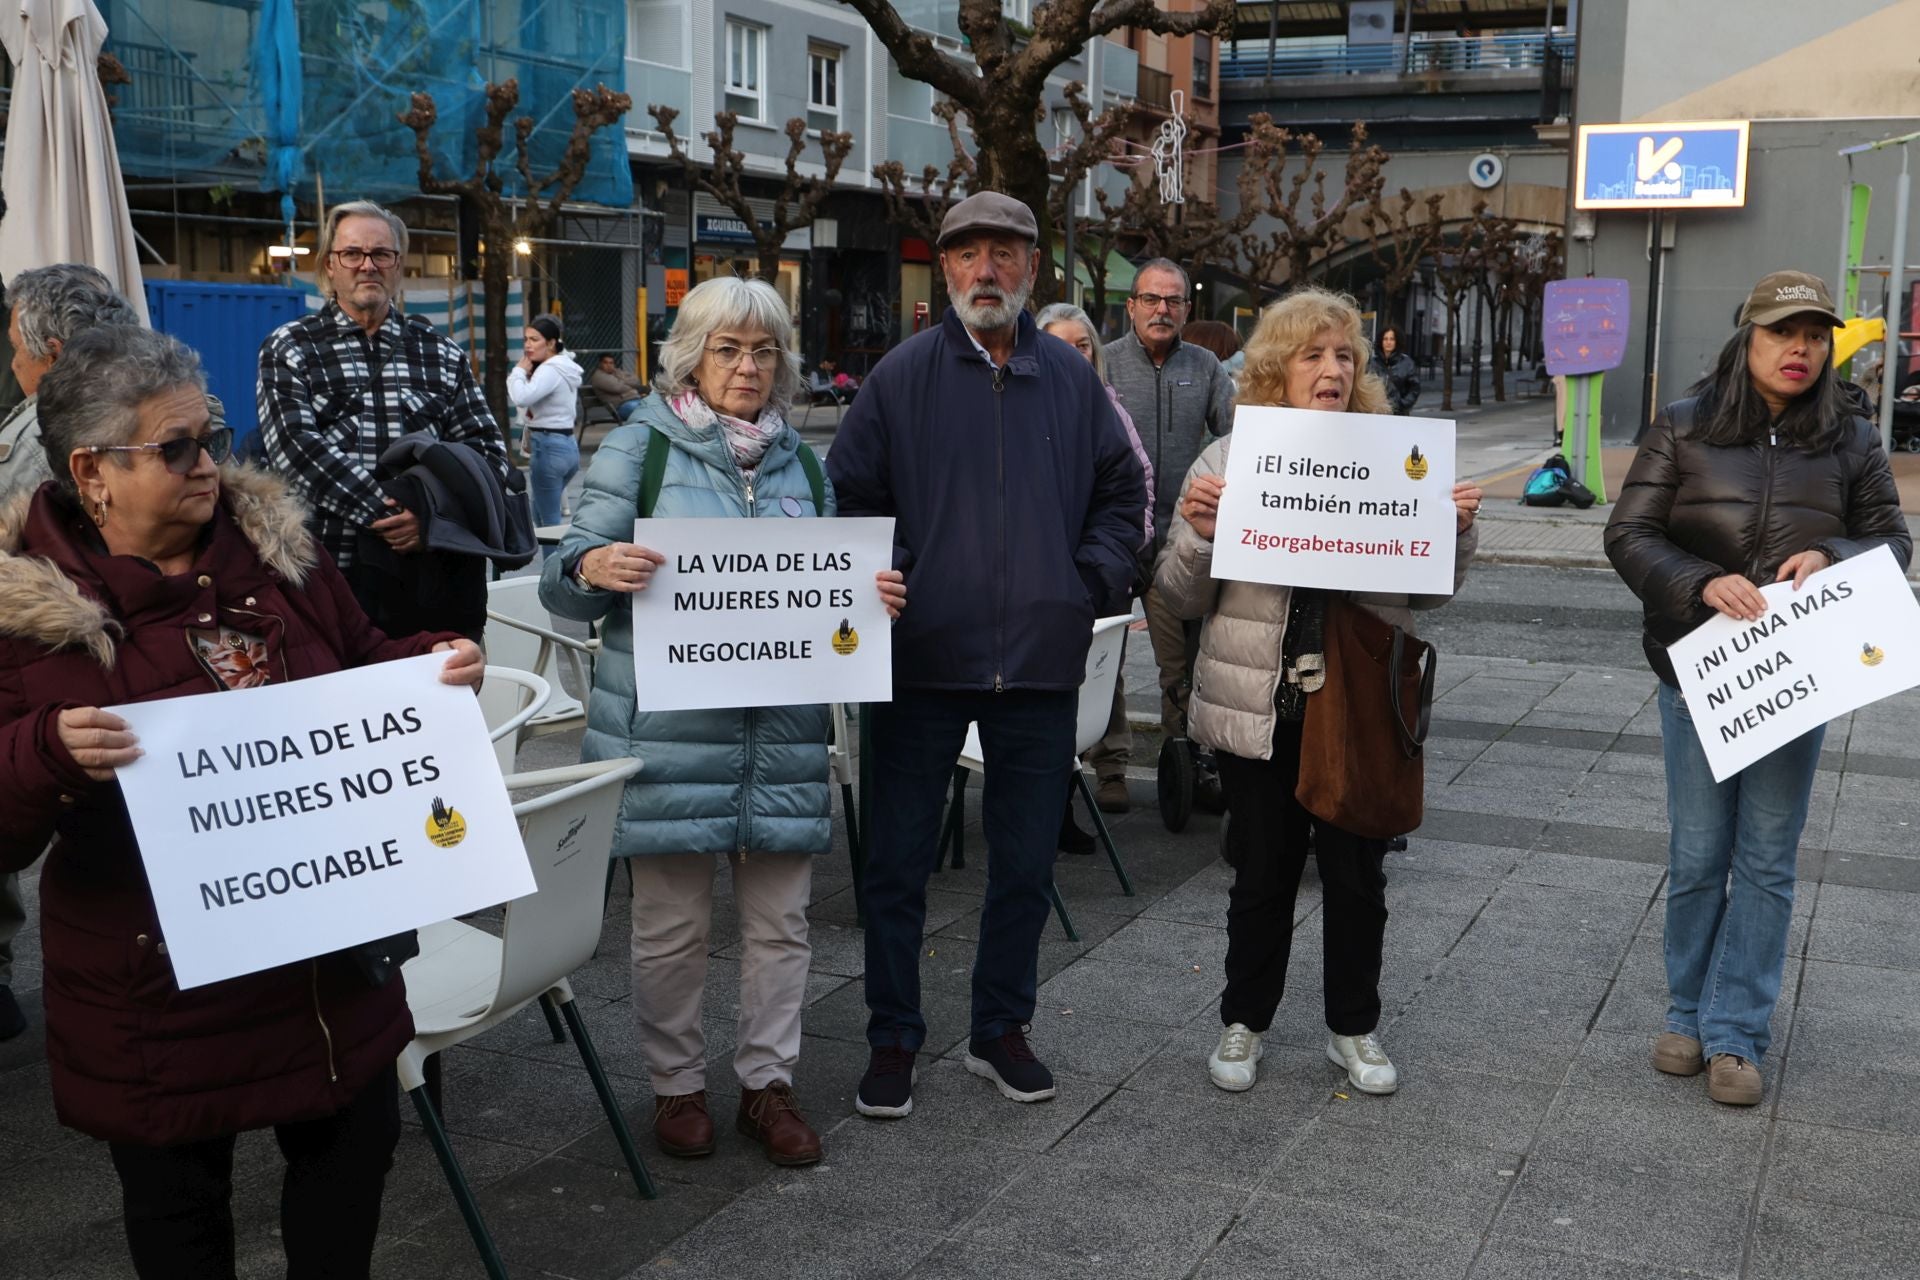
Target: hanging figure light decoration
(1169,157)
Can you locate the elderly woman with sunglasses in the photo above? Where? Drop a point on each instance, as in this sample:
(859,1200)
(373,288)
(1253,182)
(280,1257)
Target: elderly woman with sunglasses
(746,785)
(147,570)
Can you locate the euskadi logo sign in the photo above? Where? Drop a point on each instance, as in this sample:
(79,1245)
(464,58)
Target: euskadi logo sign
(1689,165)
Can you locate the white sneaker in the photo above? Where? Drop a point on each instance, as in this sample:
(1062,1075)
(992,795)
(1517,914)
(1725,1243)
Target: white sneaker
(1236,1061)
(1367,1065)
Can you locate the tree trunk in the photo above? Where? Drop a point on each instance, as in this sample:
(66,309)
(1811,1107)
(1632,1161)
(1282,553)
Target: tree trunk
(494,280)
(1450,352)
(1502,350)
(1012,160)
(770,261)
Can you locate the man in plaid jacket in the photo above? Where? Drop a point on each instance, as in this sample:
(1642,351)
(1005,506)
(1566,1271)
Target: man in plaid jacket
(340,385)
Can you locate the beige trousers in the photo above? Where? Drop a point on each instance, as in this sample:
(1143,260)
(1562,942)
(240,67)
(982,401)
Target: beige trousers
(672,921)
(1169,636)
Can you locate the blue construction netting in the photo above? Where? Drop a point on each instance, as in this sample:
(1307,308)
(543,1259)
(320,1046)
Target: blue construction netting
(269,94)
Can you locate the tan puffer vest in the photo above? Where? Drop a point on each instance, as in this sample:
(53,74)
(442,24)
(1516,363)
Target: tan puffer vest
(1243,625)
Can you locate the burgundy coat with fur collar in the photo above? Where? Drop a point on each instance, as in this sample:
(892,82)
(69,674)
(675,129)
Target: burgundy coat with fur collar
(134,1058)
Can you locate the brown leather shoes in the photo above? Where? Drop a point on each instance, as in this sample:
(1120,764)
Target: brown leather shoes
(771,1117)
(1733,1080)
(1677,1055)
(682,1126)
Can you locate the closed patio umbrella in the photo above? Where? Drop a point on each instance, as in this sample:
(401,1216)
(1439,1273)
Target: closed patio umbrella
(65,201)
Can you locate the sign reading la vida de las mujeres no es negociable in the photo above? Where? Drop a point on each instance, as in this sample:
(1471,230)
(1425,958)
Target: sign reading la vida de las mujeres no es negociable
(1848,637)
(1341,501)
(767,612)
(287,821)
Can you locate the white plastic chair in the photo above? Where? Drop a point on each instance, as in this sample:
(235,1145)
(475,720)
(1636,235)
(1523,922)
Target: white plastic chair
(1094,709)
(840,763)
(466,981)
(520,633)
(509,698)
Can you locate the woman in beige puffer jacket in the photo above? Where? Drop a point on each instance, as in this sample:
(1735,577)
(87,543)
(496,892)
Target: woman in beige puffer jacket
(1249,689)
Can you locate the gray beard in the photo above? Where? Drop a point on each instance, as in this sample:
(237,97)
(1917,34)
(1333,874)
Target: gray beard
(993,315)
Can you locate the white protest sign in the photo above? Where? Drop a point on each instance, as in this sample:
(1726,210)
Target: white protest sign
(1849,636)
(290,820)
(762,613)
(1343,501)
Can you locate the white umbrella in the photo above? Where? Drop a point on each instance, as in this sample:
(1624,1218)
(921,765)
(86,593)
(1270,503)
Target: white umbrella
(65,201)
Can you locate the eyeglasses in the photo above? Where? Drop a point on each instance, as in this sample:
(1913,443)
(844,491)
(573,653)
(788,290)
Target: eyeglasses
(354,259)
(1152,301)
(729,355)
(182,452)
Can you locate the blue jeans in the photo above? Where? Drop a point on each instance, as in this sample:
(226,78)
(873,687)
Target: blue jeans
(1026,738)
(556,459)
(1730,883)
(628,406)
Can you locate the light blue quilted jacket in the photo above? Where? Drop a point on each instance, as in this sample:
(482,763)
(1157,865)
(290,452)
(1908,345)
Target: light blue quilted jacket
(750,779)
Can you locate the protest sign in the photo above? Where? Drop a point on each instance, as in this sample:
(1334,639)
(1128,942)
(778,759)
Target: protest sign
(1345,501)
(762,613)
(290,820)
(1849,636)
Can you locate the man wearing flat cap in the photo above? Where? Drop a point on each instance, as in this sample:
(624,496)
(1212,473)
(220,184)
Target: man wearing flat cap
(1017,503)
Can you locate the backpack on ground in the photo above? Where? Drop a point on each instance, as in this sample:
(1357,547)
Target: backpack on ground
(1551,483)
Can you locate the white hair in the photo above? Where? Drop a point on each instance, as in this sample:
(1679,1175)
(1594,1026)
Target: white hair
(728,302)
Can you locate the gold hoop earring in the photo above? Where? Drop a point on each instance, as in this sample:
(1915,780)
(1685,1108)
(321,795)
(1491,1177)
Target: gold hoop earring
(99,512)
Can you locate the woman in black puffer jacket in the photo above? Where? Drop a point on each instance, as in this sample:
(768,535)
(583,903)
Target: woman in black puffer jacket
(1763,475)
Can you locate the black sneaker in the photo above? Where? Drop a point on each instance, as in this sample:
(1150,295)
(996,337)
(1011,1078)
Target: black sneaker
(886,1091)
(1009,1063)
(12,1021)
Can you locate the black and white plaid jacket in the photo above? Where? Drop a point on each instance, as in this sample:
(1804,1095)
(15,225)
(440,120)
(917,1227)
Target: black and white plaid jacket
(332,398)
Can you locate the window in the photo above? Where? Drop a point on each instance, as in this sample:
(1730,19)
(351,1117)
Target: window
(1202,65)
(1015,10)
(746,92)
(823,87)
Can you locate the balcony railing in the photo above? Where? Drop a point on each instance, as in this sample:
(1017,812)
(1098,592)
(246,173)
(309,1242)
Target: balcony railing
(649,83)
(1430,54)
(1156,87)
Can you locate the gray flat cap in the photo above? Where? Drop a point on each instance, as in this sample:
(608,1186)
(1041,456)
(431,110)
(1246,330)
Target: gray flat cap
(989,213)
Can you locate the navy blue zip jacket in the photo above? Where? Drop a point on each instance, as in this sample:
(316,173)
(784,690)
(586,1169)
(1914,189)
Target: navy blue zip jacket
(1017,502)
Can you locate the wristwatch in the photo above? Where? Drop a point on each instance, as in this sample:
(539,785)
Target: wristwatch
(580,574)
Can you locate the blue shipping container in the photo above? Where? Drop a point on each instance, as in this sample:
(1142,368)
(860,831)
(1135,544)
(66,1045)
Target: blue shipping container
(225,323)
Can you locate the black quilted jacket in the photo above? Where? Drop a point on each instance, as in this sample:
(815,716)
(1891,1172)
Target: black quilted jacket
(1691,512)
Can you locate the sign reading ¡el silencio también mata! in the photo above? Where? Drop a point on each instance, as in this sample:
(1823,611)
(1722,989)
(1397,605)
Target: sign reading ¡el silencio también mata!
(1345,501)
(1849,636)
(763,613)
(291,820)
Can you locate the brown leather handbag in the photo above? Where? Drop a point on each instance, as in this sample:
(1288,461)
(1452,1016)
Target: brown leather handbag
(1362,766)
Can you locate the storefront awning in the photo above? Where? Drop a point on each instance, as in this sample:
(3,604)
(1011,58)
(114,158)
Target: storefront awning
(1120,273)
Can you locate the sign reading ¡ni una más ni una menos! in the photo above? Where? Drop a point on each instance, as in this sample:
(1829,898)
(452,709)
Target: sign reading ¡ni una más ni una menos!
(763,613)
(1849,636)
(286,821)
(1344,501)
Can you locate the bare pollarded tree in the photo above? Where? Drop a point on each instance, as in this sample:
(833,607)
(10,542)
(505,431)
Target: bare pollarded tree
(1002,89)
(505,219)
(724,177)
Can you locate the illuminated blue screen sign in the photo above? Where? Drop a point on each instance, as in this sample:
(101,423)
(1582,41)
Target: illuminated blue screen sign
(1695,165)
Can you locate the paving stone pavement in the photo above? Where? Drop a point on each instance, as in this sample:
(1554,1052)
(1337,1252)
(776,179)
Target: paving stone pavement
(1523,983)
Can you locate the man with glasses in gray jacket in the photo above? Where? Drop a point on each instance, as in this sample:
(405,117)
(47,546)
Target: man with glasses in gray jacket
(1180,398)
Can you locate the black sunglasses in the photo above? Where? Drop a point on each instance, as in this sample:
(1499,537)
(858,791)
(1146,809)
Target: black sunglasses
(182,452)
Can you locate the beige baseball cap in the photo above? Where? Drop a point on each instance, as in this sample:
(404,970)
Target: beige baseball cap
(1789,293)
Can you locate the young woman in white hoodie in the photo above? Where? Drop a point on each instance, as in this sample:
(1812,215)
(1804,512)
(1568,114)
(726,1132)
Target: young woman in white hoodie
(545,387)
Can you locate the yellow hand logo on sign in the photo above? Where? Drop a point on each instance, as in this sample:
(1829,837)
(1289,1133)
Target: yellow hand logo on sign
(1416,465)
(846,639)
(445,827)
(1872,655)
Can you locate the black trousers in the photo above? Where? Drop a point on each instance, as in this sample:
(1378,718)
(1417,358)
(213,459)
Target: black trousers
(178,1199)
(1269,836)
